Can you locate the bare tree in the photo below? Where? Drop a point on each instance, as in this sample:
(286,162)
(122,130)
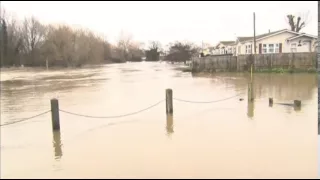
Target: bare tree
(153,53)
(124,42)
(155,45)
(69,47)
(33,33)
(135,52)
(298,22)
(14,42)
(61,46)
(11,41)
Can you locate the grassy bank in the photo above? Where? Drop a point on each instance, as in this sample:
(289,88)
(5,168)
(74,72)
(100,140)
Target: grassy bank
(281,70)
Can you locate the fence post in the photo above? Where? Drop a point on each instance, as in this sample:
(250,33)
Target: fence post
(57,144)
(297,105)
(250,92)
(169,105)
(169,125)
(55,114)
(270,102)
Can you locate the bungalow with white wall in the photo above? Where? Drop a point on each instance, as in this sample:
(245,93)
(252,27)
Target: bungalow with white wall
(282,41)
(224,47)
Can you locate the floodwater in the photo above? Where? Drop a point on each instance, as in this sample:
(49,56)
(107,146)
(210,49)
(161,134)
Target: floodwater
(223,139)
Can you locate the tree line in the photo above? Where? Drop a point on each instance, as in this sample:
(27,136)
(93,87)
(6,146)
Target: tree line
(31,43)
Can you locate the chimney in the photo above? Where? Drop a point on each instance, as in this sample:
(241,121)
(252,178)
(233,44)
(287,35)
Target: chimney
(269,30)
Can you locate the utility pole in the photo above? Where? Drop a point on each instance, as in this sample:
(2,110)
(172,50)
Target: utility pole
(202,46)
(254,43)
(254,32)
(1,37)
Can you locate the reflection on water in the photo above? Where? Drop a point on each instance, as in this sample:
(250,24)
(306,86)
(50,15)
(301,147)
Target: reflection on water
(251,100)
(57,145)
(250,108)
(241,137)
(169,126)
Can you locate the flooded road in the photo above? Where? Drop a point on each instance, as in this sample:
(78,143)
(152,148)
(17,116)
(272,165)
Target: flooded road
(223,139)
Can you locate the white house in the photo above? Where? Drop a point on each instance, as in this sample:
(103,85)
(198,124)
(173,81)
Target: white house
(282,41)
(242,46)
(224,47)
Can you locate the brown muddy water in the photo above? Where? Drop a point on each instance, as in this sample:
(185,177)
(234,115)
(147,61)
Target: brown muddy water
(224,139)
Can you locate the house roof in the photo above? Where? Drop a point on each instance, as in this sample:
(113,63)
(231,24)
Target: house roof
(302,35)
(226,43)
(270,34)
(262,36)
(242,39)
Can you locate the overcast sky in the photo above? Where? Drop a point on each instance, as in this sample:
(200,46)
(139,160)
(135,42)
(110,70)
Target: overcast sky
(169,21)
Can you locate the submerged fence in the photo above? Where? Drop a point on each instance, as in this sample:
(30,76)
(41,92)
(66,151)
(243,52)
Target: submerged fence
(55,117)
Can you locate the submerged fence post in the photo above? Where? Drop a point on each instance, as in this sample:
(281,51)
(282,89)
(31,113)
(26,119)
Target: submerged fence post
(250,111)
(169,125)
(55,114)
(169,105)
(250,92)
(57,144)
(47,64)
(270,102)
(297,105)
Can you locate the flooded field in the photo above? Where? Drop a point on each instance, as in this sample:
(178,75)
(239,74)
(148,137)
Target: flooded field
(231,138)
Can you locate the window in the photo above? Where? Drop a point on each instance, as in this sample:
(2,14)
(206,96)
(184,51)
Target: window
(264,49)
(293,47)
(276,50)
(239,50)
(270,48)
(248,49)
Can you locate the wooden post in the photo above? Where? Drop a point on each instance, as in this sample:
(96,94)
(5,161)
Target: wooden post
(57,144)
(254,43)
(250,92)
(55,114)
(250,111)
(254,33)
(270,102)
(297,105)
(169,126)
(47,64)
(251,73)
(169,105)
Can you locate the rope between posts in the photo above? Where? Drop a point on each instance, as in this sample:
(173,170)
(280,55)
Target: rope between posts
(118,116)
(106,117)
(25,119)
(214,101)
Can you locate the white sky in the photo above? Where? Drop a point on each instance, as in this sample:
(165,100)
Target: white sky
(170,21)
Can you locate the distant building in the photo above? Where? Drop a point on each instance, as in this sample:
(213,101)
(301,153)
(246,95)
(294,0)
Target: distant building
(224,47)
(282,41)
